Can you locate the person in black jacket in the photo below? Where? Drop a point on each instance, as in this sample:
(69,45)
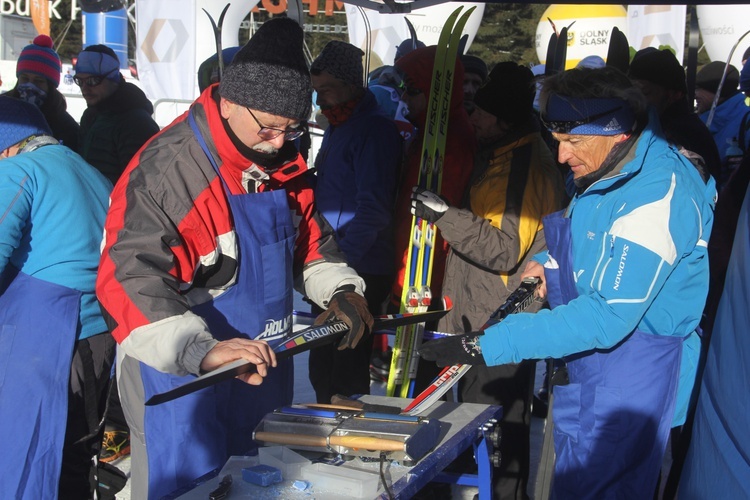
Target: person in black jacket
(661,78)
(38,72)
(118,119)
(115,125)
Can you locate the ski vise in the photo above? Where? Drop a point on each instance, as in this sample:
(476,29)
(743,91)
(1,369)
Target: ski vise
(402,438)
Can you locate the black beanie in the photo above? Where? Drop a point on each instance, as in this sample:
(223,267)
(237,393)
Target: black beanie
(269,73)
(709,76)
(659,67)
(473,64)
(508,93)
(342,60)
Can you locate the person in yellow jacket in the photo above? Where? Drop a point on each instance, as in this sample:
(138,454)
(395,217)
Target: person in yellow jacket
(515,182)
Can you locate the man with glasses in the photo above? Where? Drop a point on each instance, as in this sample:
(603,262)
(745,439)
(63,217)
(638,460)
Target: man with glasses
(209,229)
(117,121)
(626,274)
(355,188)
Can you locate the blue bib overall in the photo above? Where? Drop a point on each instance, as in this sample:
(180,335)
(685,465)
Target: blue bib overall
(612,421)
(38,324)
(195,434)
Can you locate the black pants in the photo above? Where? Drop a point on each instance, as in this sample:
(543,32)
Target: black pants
(115,418)
(510,386)
(87,399)
(347,372)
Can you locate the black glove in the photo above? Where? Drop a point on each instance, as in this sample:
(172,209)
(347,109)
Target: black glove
(350,307)
(427,205)
(454,350)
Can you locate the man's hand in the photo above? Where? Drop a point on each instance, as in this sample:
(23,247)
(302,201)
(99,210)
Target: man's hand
(535,270)
(254,351)
(427,205)
(351,308)
(454,349)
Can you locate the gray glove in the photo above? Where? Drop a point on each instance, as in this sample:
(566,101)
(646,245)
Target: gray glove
(427,205)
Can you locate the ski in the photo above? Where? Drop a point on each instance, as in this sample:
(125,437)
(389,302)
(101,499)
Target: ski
(618,52)
(717,96)
(518,301)
(410,299)
(434,183)
(297,342)
(416,295)
(217,36)
(692,58)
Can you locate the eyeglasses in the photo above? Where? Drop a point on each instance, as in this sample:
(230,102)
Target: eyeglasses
(564,127)
(268,133)
(92,81)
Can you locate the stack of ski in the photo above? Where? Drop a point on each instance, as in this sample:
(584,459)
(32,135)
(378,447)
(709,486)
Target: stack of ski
(518,301)
(416,296)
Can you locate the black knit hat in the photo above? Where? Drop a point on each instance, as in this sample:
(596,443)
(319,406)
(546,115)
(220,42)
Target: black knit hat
(709,76)
(508,93)
(269,73)
(659,67)
(473,64)
(342,60)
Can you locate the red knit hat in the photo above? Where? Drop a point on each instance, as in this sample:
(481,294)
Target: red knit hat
(41,59)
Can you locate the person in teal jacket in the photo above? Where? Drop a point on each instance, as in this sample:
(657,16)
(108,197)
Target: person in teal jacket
(55,350)
(626,274)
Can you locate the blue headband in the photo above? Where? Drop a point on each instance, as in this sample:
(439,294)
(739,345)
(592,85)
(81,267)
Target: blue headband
(98,63)
(592,116)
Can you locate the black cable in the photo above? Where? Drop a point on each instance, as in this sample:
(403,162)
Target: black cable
(382,476)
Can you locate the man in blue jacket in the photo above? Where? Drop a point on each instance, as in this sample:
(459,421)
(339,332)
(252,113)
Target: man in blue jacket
(357,172)
(626,273)
(55,350)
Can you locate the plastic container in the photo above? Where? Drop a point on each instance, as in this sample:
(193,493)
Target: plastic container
(341,480)
(287,461)
(236,463)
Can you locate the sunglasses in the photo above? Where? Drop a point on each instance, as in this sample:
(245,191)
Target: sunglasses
(92,81)
(268,133)
(564,127)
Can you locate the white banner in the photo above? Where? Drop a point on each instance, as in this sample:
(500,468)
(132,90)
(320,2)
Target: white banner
(721,28)
(656,26)
(165,48)
(388,30)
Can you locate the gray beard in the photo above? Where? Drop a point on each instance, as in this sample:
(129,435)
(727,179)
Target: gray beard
(266,149)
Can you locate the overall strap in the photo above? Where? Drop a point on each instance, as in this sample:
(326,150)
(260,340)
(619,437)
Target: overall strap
(204,147)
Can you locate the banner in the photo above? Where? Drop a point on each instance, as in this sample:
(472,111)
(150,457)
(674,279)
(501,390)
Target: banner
(721,28)
(388,30)
(165,48)
(657,26)
(589,30)
(40,15)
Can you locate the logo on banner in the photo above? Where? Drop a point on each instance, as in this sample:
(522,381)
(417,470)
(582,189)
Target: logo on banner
(165,40)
